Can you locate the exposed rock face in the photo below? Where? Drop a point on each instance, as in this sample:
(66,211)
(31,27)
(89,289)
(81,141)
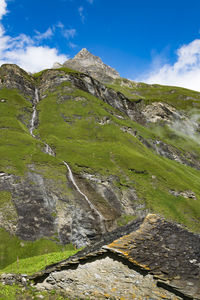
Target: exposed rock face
(185,194)
(171,152)
(57,65)
(159,111)
(50,81)
(13,77)
(87,63)
(41,209)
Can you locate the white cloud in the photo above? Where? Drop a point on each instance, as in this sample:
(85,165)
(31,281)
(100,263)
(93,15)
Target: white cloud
(24,51)
(185,72)
(34,58)
(3,7)
(90,1)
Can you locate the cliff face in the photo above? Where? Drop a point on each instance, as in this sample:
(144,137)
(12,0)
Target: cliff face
(79,158)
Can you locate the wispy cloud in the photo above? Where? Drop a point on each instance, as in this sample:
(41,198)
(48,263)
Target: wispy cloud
(90,1)
(3,8)
(69,33)
(24,50)
(188,127)
(81,13)
(45,35)
(72,45)
(185,72)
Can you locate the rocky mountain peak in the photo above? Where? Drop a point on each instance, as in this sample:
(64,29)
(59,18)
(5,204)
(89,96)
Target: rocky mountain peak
(92,65)
(84,53)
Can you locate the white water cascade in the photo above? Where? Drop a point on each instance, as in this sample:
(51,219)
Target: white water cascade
(36,96)
(48,150)
(34,115)
(86,198)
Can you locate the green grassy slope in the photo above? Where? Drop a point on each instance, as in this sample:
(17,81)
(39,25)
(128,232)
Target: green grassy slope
(37,263)
(72,128)
(25,249)
(18,150)
(180,98)
(17,147)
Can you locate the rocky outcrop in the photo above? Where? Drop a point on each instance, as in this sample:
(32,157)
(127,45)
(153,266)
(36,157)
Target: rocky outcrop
(185,194)
(13,77)
(171,152)
(43,207)
(54,78)
(158,111)
(92,65)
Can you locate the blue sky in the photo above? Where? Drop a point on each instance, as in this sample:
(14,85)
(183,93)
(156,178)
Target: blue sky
(152,41)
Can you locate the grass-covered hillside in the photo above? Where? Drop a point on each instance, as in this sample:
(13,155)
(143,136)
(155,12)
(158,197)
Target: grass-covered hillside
(71,122)
(109,153)
(180,98)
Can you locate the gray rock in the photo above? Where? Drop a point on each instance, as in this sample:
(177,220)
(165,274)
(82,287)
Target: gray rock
(92,65)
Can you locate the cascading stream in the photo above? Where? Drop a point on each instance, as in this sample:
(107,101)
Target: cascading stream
(34,115)
(49,151)
(71,177)
(36,96)
(47,148)
(32,127)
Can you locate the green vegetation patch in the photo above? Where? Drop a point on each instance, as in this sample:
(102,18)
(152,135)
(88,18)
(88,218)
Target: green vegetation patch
(8,292)
(180,98)
(5,198)
(37,263)
(38,75)
(25,249)
(125,219)
(15,292)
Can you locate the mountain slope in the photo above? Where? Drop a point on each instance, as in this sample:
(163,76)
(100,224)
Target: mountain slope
(131,148)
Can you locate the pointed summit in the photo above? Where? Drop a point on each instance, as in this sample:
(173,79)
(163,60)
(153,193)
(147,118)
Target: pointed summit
(82,54)
(92,65)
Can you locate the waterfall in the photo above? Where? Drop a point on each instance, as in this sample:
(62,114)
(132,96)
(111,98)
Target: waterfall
(48,150)
(32,123)
(34,114)
(71,177)
(36,100)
